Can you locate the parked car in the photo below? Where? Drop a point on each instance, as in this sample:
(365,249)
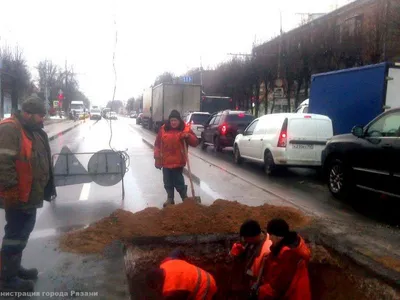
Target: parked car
(368,158)
(284,140)
(113,116)
(222,127)
(95,114)
(133,115)
(139,118)
(197,121)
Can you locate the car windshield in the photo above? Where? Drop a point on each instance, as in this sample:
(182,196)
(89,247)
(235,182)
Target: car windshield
(239,118)
(95,111)
(199,118)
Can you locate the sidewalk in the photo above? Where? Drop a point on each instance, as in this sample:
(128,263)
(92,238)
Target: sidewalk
(366,242)
(54,128)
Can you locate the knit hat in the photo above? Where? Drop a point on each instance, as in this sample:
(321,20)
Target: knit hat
(278,227)
(34,105)
(250,228)
(174,115)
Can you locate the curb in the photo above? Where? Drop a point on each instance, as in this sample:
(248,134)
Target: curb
(63,132)
(195,178)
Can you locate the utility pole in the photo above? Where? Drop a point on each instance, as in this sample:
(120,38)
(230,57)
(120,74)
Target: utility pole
(385,32)
(46,92)
(280,46)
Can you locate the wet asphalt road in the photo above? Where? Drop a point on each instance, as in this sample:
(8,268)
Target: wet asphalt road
(81,204)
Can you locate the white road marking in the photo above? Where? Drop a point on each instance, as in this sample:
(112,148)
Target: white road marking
(85,192)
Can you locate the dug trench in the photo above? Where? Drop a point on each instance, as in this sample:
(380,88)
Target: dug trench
(332,276)
(206,233)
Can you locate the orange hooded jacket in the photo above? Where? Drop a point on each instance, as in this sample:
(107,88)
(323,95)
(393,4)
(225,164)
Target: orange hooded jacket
(286,274)
(169,149)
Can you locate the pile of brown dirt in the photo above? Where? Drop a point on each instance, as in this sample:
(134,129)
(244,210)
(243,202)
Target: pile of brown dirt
(187,218)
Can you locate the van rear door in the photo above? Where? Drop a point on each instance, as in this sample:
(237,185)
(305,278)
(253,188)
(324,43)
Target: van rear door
(307,137)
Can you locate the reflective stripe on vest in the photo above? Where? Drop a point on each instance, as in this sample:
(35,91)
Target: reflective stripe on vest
(180,276)
(22,163)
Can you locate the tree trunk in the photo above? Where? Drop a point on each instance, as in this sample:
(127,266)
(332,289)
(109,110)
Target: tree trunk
(288,92)
(297,96)
(273,105)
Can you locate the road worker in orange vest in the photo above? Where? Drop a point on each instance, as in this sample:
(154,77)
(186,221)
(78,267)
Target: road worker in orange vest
(176,279)
(169,154)
(253,247)
(26,180)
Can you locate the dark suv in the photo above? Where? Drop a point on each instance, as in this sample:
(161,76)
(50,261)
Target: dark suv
(368,158)
(222,127)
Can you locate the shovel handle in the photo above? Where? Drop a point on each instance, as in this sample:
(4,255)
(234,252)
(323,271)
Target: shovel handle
(188,164)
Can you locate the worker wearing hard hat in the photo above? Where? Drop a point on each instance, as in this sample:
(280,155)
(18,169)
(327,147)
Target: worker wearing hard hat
(254,246)
(169,154)
(177,279)
(285,273)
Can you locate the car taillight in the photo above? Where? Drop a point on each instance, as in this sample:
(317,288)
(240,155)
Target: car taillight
(282,142)
(224,129)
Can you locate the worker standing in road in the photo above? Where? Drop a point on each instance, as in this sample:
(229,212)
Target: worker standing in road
(285,275)
(254,246)
(169,154)
(176,279)
(26,179)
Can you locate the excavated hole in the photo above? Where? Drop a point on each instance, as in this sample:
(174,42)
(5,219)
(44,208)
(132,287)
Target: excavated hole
(332,276)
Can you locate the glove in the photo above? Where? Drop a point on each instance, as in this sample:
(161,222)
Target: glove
(184,135)
(237,249)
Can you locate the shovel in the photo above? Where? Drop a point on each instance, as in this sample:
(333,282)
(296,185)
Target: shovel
(194,197)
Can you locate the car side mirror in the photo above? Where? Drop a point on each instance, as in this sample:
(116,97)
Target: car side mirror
(358,131)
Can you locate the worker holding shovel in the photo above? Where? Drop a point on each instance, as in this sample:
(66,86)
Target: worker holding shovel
(170,154)
(285,273)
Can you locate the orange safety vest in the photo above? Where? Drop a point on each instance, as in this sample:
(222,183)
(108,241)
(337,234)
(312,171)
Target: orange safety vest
(183,276)
(265,250)
(22,165)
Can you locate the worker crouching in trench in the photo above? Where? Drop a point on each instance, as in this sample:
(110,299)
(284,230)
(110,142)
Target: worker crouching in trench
(169,154)
(176,279)
(249,253)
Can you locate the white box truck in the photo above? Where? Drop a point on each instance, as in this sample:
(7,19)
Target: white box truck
(185,98)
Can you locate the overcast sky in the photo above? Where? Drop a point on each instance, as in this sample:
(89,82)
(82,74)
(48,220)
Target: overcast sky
(153,35)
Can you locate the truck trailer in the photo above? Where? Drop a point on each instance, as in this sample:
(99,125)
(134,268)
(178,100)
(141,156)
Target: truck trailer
(355,96)
(185,98)
(213,104)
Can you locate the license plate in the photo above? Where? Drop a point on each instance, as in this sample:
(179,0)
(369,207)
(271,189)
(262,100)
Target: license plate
(302,146)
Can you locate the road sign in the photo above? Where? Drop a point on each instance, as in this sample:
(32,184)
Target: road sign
(55,103)
(187,79)
(278,82)
(278,93)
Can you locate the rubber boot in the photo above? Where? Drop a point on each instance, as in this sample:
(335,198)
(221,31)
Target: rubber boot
(9,280)
(28,274)
(169,202)
(183,193)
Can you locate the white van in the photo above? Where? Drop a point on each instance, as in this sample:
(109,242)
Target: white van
(284,140)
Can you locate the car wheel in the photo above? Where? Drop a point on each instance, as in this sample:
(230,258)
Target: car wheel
(269,164)
(203,144)
(217,144)
(338,181)
(237,157)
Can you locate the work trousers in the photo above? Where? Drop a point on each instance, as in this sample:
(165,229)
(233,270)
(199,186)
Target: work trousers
(19,226)
(173,179)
